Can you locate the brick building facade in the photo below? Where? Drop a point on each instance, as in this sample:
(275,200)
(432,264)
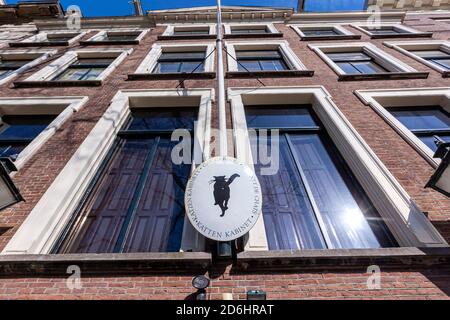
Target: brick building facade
(390,162)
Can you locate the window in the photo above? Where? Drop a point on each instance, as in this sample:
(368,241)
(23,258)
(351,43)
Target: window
(425,122)
(260,60)
(323,32)
(177,62)
(137,203)
(77,67)
(358,61)
(313,201)
(7,66)
(15,62)
(135,123)
(391,31)
(17,131)
(117,36)
(437,57)
(269,58)
(174,62)
(324,167)
(49,38)
(197,31)
(417,115)
(434,53)
(251,30)
(84,69)
(26,124)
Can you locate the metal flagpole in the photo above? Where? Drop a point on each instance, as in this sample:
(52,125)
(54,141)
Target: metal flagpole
(223,148)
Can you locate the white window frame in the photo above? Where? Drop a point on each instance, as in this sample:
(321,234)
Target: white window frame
(336,27)
(396,26)
(170,30)
(100,36)
(59,65)
(379,98)
(40,57)
(43,226)
(63,106)
(406,47)
(270,27)
(404,219)
(384,59)
(150,61)
(42,37)
(290,58)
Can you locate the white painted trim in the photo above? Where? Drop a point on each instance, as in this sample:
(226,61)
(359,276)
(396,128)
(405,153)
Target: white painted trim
(270,27)
(379,98)
(57,66)
(40,56)
(321,26)
(42,37)
(407,223)
(101,35)
(150,61)
(170,30)
(43,226)
(406,47)
(365,28)
(289,56)
(63,106)
(384,59)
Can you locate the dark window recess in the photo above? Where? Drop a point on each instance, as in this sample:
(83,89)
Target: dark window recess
(9,65)
(356,63)
(261,30)
(177,62)
(260,60)
(181,32)
(136,201)
(313,201)
(60,38)
(84,69)
(17,131)
(120,37)
(320,32)
(387,31)
(437,57)
(425,122)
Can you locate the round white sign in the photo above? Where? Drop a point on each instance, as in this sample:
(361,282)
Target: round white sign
(223,199)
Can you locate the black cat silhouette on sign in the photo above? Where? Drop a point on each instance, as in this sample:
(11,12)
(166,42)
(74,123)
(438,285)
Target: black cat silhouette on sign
(222,191)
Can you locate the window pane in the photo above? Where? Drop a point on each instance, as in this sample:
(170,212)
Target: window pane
(93,74)
(13,64)
(182,56)
(289,219)
(250,65)
(94,61)
(4,73)
(191,66)
(120,37)
(326,32)
(72,74)
(163,118)
(258,54)
(275,65)
(368,67)
(431,53)
(348,56)
(23,127)
(60,38)
(11,150)
(167,67)
(279,117)
(347,67)
(430,140)
(422,119)
(386,31)
(445,63)
(349,217)
(249,31)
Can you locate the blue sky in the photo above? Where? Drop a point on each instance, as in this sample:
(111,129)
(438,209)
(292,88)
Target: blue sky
(124,7)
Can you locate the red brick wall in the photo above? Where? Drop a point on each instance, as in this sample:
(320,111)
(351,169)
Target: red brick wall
(409,168)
